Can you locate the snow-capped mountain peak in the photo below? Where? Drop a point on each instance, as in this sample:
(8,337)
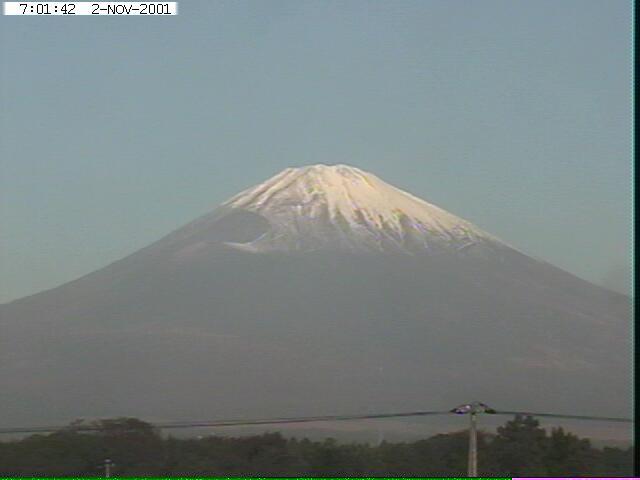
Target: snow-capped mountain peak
(340,207)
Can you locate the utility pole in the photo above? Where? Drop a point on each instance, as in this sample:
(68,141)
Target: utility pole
(472,470)
(108,464)
(473,409)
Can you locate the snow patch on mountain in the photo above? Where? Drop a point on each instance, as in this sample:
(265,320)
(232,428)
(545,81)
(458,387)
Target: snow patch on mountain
(340,207)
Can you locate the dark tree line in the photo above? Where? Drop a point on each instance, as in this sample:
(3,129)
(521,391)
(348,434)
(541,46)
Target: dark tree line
(519,448)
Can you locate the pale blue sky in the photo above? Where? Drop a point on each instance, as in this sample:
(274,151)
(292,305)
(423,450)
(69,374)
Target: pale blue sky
(512,114)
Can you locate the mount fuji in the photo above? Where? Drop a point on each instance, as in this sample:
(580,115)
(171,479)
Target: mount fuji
(322,290)
(343,208)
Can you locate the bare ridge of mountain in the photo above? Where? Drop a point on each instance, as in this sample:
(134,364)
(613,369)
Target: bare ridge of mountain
(322,290)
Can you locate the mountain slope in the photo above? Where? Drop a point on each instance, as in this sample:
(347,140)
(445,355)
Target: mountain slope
(322,290)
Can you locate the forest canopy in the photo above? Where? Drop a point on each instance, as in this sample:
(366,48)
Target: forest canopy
(134,448)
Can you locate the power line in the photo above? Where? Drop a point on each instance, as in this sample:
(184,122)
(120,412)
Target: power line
(231,423)
(569,417)
(289,420)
